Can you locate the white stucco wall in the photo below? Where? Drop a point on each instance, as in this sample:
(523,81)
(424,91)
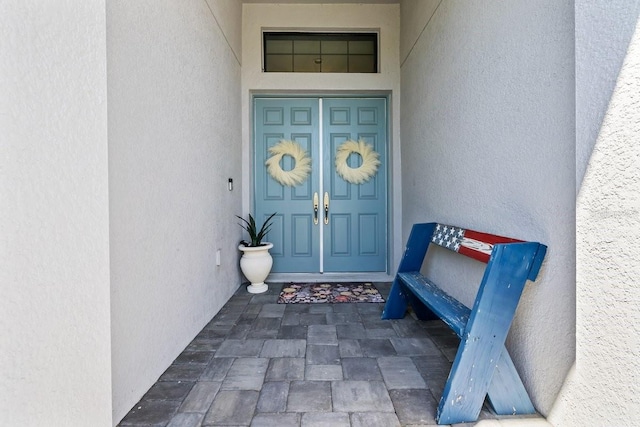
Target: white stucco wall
(174,140)
(488,142)
(603,386)
(603,29)
(55,357)
(384,18)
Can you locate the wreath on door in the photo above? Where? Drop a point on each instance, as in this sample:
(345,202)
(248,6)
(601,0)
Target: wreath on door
(302,166)
(366,170)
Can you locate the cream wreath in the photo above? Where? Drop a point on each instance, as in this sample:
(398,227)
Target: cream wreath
(301,169)
(366,170)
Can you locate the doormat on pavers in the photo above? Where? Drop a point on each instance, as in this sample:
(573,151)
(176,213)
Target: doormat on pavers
(309,293)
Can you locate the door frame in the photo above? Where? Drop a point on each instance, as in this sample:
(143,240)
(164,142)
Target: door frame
(391,215)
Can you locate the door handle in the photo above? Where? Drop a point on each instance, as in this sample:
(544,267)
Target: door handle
(326,208)
(315,208)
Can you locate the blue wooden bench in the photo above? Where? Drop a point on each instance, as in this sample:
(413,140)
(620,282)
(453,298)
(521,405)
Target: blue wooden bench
(482,366)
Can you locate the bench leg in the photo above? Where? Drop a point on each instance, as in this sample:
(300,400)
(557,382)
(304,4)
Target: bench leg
(507,394)
(396,305)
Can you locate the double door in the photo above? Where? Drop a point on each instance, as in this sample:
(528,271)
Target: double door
(332,215)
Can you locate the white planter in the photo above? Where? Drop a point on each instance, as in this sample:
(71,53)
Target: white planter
(255,264)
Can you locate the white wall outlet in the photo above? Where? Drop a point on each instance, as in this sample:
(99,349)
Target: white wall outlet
(218,257)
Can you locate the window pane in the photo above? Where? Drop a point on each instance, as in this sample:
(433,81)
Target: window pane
(334,47)
(362,64)
(279,63)
(306,46)
(306,64)
(279,46)
(335,64)
(361,47)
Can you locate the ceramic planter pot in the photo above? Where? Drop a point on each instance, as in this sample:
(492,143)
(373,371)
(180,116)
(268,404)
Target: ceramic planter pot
(255,264)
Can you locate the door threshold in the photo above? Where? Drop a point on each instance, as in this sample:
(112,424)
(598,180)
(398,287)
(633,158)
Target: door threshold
(329,277)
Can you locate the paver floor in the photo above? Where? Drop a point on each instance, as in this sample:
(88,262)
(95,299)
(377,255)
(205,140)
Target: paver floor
(259,363)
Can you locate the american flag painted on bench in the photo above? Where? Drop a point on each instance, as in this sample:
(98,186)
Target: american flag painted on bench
(471,243)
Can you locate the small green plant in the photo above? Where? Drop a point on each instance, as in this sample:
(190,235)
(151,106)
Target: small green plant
(256,235)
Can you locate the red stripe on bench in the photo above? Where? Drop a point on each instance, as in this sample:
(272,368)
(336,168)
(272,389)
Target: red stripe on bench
(471,243)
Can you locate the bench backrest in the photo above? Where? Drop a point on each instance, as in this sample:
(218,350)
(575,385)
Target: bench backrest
(476,244)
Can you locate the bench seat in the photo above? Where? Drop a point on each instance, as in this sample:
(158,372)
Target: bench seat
(450,310)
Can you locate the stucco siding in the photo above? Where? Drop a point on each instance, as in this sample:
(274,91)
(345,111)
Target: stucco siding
(55,352)
(488,143)
(174,140)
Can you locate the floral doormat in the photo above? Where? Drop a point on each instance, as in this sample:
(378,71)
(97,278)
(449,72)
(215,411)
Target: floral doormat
(296,293)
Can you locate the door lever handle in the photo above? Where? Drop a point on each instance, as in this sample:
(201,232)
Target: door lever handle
(326,208)
(315,208)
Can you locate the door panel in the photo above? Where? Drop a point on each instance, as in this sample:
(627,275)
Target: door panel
(295,238)
(354,239)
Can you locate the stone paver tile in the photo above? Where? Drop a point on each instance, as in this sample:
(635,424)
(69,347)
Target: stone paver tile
(381,333)
(246,374)
(361,369)
(400,373)
(320,308)
(323,373)
(313,319)
(342,318)
(273,397)
(323,355)
(414,346)
(322,334)
(350,348)
(374,322)
(182,373)
(366,308)
(151,412)
(186,420)
(284,348)
(204,344)
(360,396)
(168,390)
(200,397)
(408,328)
(216,331)
(252,309)
(309,396)
(232,407)
(240,348)
(217,369)
(346,308)
(291,332)
(351,331)
(331,419)
(414,406)
(290,319)
(272,310)
(276,420)
(239,332)
(266,298)
(377,348)
(285,369)
(193,358)
(297,308)
(265,327)
(227,316)
(430,365)
(374,419)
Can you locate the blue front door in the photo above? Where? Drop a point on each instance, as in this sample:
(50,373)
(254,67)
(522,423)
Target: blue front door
(335,218)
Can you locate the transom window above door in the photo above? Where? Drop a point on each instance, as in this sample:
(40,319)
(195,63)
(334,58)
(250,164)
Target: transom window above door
(297,52)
